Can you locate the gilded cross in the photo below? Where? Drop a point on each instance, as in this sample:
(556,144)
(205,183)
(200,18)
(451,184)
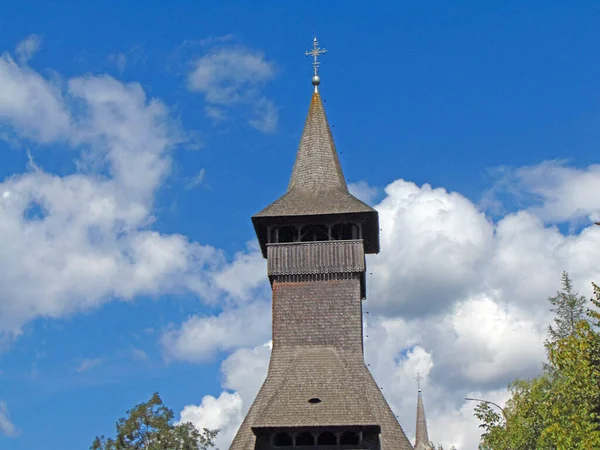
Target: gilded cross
(315,53)
(418,379)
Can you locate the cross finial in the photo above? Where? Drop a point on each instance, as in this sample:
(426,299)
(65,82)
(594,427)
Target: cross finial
(418,378)
(315,53)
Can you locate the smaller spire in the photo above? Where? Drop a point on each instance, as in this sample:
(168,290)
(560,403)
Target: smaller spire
(422,436)
(315,53)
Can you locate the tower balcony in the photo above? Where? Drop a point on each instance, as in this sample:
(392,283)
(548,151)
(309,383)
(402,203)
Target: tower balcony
(298,258)
(320,260)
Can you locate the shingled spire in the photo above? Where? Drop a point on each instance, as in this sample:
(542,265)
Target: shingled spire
(422,440)
(318,392)
(317,186)
(317,164)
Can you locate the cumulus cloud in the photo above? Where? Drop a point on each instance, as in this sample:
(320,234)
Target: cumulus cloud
(244,319)
(245,369)
(75,241)
(427,232)
(229,75)
(223,413)
(201,337)
(551,190)
(245,278)
(6,426)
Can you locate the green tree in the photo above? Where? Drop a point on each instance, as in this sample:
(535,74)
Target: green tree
(149,426)
(569,309)
(559,409)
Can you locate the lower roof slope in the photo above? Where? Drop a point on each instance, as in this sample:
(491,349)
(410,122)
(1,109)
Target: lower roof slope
(318,390)
(276,405)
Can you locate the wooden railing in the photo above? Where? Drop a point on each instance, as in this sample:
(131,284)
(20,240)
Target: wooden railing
(316,257)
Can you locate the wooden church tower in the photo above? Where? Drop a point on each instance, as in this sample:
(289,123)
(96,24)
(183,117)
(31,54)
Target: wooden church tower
(318,392)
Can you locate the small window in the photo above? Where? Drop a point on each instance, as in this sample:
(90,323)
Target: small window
(282,439)
(327,438)
(305,439)
(350,438)
(314,400)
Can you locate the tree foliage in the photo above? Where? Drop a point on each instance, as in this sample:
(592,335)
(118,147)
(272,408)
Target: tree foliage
(569,309)
(149,426)
(559,409)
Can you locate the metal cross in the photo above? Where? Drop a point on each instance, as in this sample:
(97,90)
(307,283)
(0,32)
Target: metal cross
(315,53)
(418,378)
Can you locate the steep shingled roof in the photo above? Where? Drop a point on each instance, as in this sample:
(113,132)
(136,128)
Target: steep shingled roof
(317,373)
(272,409)
(317,185)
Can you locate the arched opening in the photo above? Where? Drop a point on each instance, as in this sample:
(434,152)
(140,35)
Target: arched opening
(272,235)
(305,439)
(350,438)
(344,231)
(288,233)
(327,438)
(282,439)
(311,233)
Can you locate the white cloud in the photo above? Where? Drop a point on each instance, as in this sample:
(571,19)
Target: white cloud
(31,103)
(363,191)
(225,74)
(243,372)
(266,116)
(229,75)
(503,345)
(197,179)
(201,337)
(427,232)
(139,355)
(76,241)
(245,277)
(556,192)
(244,320)
(6,426)
(87,364)
(215,113)
(28,47)
(223,413)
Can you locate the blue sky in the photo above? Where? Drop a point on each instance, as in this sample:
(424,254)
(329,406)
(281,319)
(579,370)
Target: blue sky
(182,120)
